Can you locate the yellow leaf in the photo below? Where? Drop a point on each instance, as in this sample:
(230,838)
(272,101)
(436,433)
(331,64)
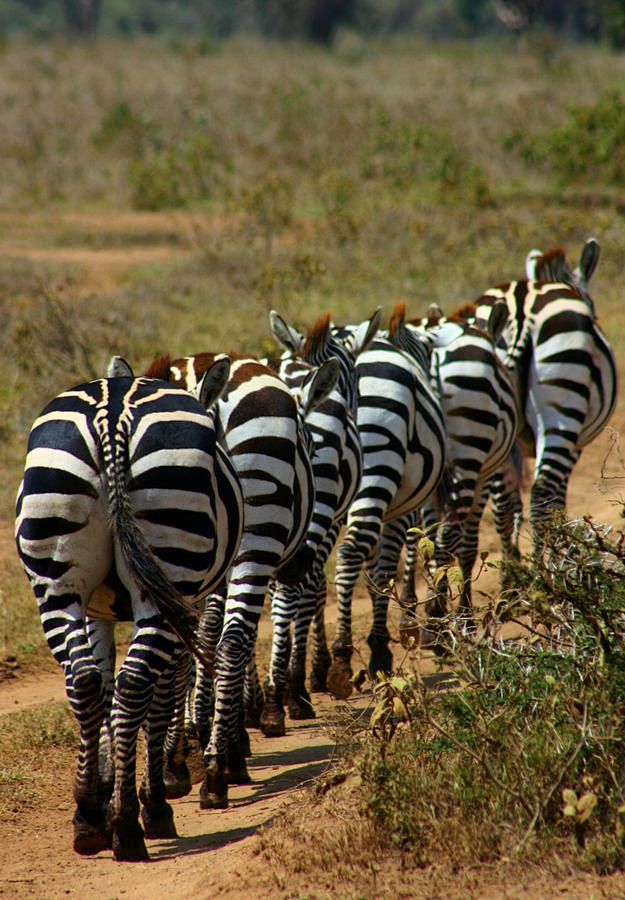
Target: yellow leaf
(570,810)
(585,806)
(426,548)
(439,575)
(454,575)
(399,684)
(569,797)
(378,713)
(399,709)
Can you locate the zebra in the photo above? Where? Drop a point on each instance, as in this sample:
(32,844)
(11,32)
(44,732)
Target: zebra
(564,369)
(264,429)
(128,509)
(479,405)
(337,465)
(402,432)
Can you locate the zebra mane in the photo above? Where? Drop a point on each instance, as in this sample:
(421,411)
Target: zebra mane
(552,266)
(317,337)
(159,368)
(463,314)
(397,320)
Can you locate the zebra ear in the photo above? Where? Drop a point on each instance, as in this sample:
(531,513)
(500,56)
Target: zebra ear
(497,320)
(366,331)
(213,382)
(119,368)
(319,384)
(286,336)
(530,264)
(588,261)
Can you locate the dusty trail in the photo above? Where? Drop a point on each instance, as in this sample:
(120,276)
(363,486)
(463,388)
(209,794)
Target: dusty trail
(215,850)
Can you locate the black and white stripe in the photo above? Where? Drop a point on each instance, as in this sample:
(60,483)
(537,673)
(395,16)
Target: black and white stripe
(478,401)
(128,508)
(337,466)
(265,432)
(402,434)
(563,365)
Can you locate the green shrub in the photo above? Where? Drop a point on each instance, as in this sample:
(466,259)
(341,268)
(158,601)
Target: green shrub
(523,752)
(588,146)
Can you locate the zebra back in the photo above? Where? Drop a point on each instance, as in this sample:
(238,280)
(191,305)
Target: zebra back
(146,453)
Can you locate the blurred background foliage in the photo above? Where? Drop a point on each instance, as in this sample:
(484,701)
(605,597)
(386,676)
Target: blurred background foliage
(315,20)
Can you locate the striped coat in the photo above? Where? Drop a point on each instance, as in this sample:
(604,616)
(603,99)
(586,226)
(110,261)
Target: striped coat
(264,429)
(563,365)
(128,508)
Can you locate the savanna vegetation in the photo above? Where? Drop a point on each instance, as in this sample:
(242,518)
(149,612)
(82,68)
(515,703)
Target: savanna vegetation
(164,195)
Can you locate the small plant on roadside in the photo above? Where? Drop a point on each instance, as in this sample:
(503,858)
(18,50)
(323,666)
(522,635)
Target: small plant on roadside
(524,745)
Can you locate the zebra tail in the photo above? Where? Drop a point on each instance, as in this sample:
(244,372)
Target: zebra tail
(143,566)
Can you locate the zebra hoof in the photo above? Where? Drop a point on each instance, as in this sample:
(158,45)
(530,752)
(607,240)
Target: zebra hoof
(90,837)
(245,747)
(319,680)
(381,660)
(300,706)
(252,717)
(159,823)
(128,843)
(339,679)
(214,789)
(409,630)
(273,723)
(431,640)
(237,771)
(177,779)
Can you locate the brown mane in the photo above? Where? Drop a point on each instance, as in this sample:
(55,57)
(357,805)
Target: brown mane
(397,320)
(159,368)
(462,314)
(317,336)
(552,266)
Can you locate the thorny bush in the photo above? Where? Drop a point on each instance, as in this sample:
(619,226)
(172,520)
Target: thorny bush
(520,748)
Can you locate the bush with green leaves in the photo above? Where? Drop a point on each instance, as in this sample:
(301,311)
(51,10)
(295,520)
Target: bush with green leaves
(589,145)
(520,749)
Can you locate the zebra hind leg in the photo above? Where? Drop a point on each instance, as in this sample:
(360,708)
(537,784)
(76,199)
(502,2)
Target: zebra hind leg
(87,697)
(252,695)
(298,699)
(156,814)
(321,659)
(138,677)
(175,769)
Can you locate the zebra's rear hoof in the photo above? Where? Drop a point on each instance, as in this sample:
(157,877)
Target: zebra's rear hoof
(409,630)
(245,747)
(252,717)
(431,640)
(214,788)
(236,770)
(128,843)
(301,710)
(159,823)
(381,659)
(339,679)
(177,779)
(319,680)
(273,723)
(90,837)
(299,704)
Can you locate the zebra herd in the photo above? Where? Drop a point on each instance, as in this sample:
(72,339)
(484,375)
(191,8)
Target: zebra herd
(178,499)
